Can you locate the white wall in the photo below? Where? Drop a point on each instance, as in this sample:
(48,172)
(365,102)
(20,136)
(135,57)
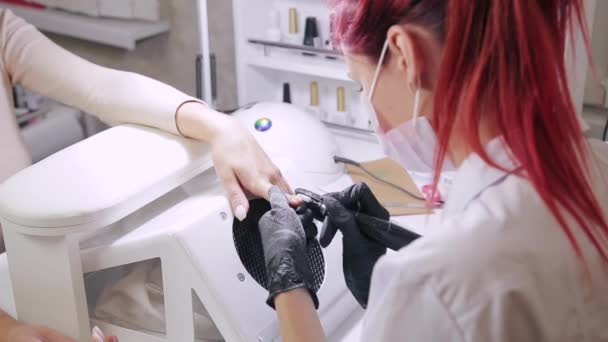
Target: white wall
(171,57)
(593,93)
(576,59)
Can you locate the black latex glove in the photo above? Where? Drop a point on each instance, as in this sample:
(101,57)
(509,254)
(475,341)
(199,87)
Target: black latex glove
(284,241)
(360,253)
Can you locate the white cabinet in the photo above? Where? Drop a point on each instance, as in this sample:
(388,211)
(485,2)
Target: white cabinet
(125,9)
(263,68)
(108,31)
(317,78)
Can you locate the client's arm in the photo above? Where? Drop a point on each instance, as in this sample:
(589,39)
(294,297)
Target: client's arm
(118,97)
(14,331)
(7,324)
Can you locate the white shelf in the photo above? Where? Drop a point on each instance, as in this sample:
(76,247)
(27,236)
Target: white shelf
(267,44)
(264,66)
(114,32)
(331,70)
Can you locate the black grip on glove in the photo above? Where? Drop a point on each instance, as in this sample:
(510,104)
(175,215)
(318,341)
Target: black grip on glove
(284,240)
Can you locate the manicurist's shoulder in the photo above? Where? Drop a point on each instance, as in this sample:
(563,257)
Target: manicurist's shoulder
(457,253)
(484,260)
(503,224)
(416,292)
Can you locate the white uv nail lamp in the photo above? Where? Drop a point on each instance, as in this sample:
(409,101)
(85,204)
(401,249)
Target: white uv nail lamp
(132,194)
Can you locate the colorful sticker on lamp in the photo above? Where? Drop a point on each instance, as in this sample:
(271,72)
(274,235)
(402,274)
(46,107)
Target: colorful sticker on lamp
(262,125)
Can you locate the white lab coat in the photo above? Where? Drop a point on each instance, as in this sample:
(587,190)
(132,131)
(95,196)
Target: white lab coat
(495,267)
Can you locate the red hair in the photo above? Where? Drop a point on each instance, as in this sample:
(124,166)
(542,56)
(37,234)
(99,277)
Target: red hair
(507,57)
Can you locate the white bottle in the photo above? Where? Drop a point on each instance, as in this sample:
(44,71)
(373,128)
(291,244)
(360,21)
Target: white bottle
(273,33)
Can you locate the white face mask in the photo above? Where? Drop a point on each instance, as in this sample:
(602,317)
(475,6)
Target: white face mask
(412,144)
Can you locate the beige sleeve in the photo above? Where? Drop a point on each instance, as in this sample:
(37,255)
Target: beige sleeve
(115,97)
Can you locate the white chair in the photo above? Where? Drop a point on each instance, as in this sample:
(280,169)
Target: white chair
(131,194)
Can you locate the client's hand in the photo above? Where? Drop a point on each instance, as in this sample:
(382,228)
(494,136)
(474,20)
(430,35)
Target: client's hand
(240,162)
(24,333)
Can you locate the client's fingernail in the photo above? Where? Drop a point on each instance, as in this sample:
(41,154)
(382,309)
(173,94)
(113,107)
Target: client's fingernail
(300,198)
(113,339)
(240,213)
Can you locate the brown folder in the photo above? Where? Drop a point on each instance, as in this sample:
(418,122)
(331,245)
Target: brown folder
(388,196)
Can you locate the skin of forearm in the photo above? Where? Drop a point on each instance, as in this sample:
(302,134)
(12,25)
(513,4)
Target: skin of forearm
(196,120)
(298,318)
(7,323)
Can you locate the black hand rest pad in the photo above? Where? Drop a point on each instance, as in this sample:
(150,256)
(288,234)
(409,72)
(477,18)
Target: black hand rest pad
(248,243)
